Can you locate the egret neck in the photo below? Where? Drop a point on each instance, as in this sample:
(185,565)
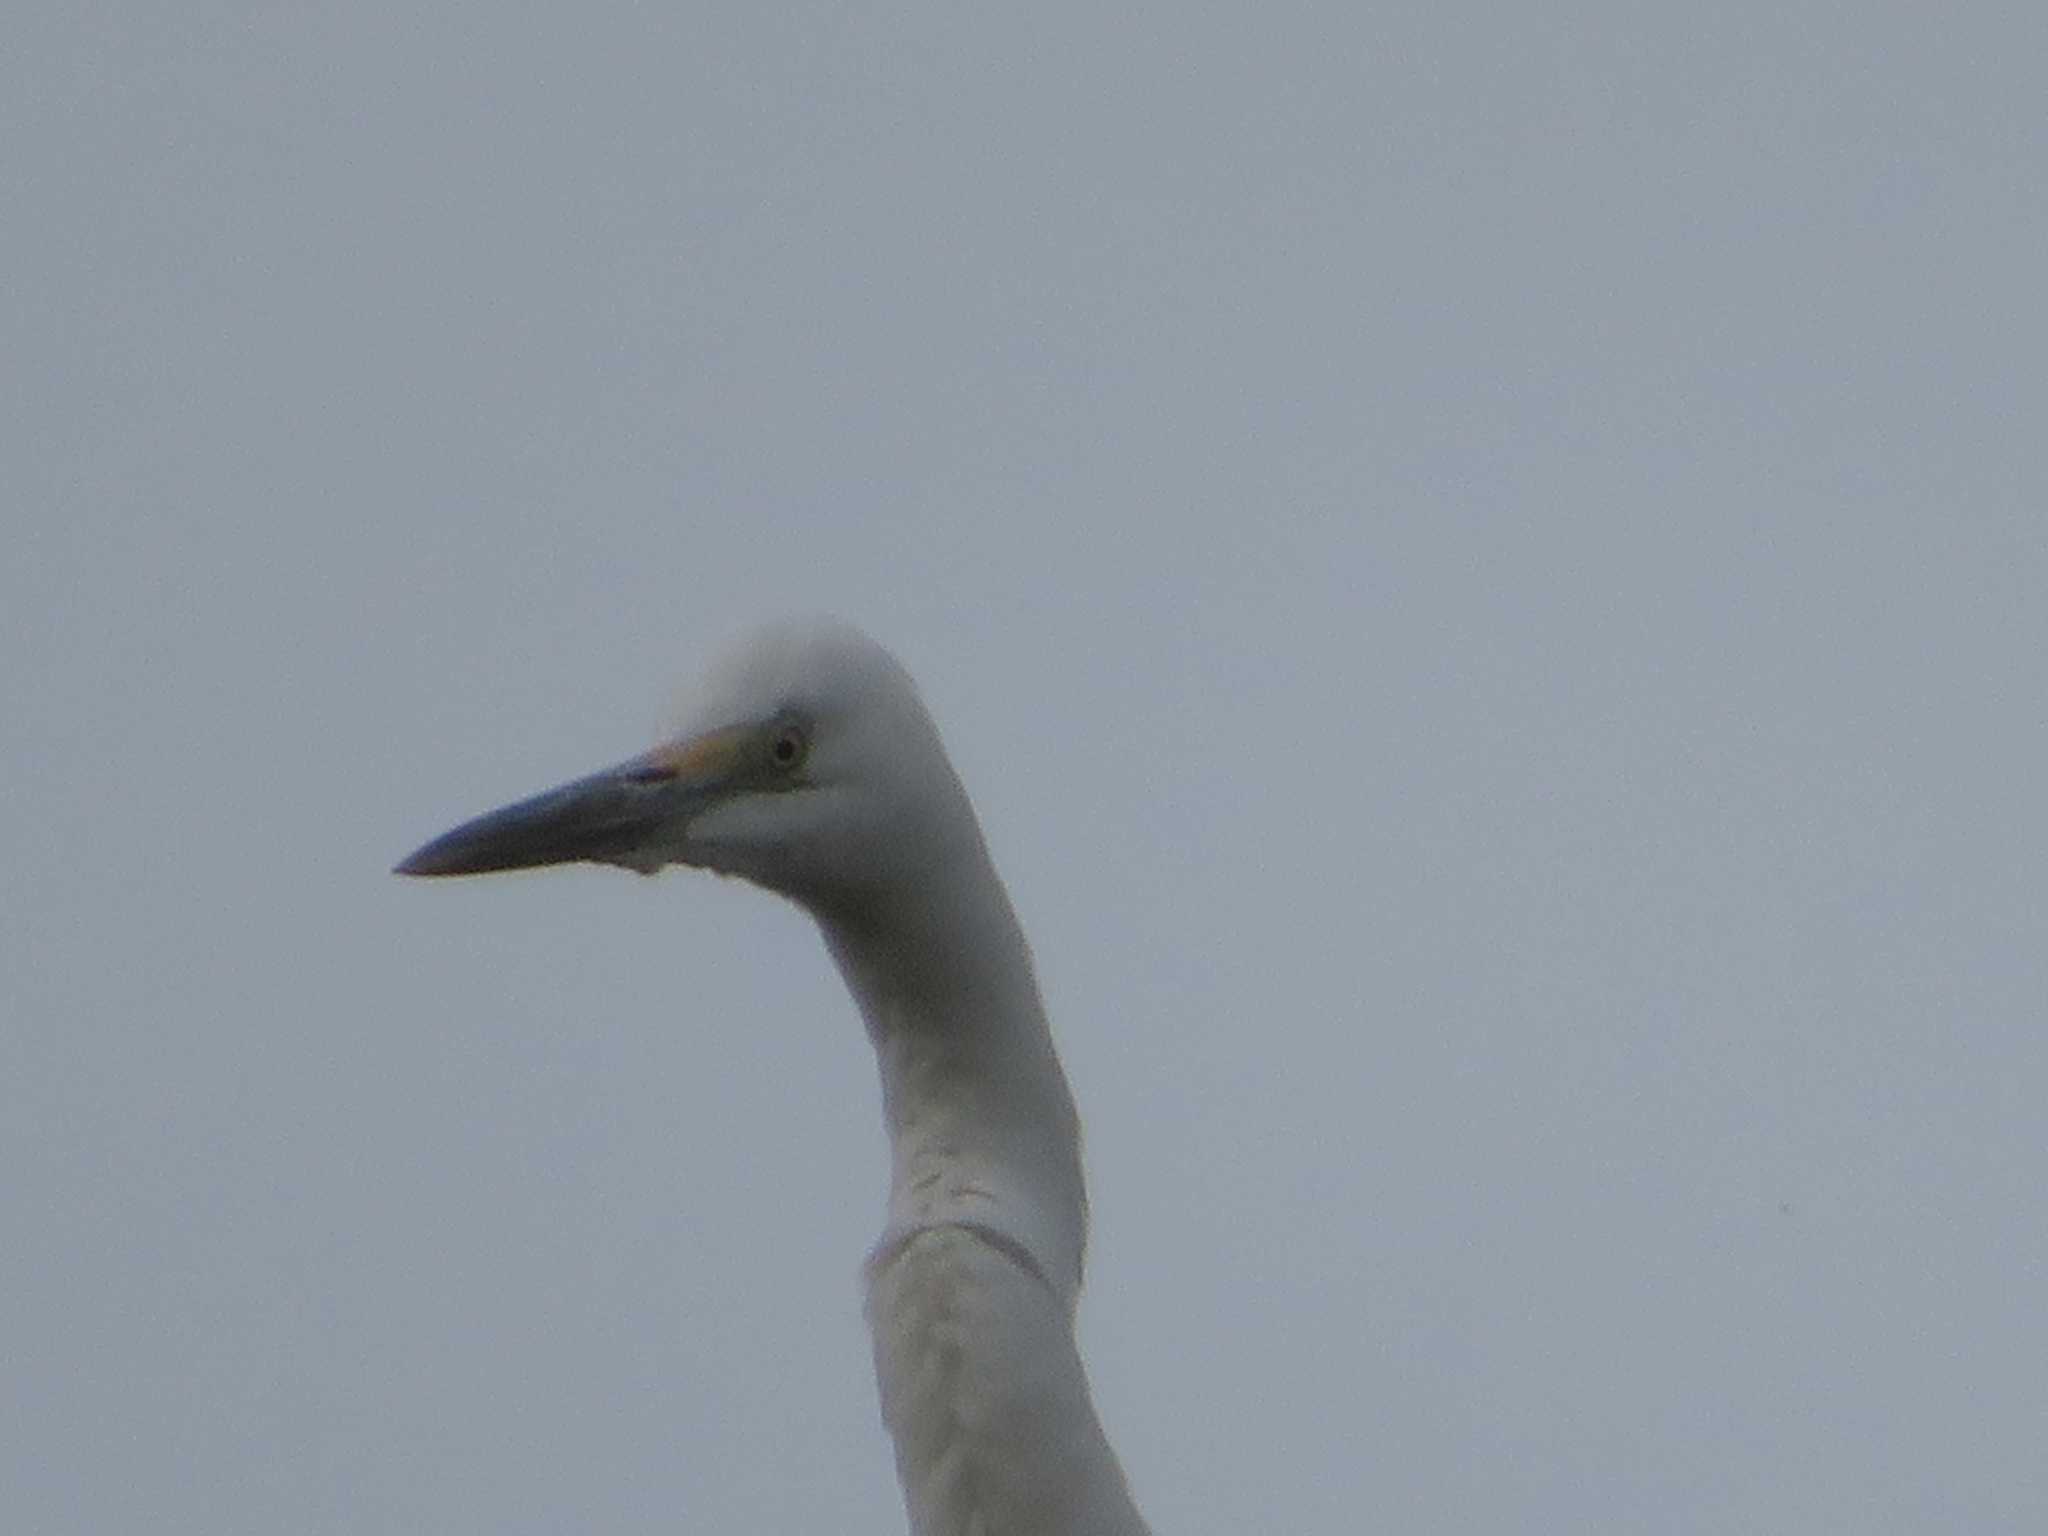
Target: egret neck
(982,1128)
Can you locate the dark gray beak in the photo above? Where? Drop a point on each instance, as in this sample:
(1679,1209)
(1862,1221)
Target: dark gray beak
(618,816)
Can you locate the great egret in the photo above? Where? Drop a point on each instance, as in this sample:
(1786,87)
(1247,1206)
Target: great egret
(811,767)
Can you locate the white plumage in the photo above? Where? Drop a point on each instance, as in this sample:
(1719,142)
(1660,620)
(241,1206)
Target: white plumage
(811,767)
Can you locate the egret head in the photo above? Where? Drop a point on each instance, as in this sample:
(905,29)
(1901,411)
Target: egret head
(807,764)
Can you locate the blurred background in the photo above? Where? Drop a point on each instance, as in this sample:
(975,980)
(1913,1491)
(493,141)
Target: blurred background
(1483,564)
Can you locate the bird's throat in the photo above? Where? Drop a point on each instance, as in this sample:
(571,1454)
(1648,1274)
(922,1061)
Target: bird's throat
(981,1123)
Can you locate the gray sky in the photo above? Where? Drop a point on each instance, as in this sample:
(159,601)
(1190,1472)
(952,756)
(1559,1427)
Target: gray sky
(1484,565)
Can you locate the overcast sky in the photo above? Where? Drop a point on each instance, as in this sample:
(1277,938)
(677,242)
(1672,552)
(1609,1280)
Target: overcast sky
(1486,567)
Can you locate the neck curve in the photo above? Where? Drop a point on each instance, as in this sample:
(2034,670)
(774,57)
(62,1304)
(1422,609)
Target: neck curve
(982,1128)
(971,1292)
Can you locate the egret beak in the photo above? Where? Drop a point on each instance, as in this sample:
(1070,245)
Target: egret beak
(634,814)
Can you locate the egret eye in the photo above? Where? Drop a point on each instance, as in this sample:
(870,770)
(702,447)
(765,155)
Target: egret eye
(788,746)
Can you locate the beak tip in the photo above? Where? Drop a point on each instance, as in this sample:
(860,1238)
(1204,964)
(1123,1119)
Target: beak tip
(415,863)
(448,854)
